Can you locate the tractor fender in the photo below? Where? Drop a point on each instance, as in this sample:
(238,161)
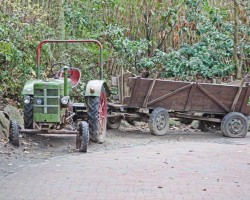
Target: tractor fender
(94,88)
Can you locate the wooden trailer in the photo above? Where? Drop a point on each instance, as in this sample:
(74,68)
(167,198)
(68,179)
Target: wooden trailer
(155,100)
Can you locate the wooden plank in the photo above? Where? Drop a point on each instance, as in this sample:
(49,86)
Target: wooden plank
(240,102)
(201,104)
(131,82)
(168,88)
(237,96)
(135,91)
(119,88)
(115,105)
(245,109)
(126,89)
(210,119)
(220,89)
(190,97)
(145,103)
(213,89)
(126,100)
(213,98)
(163,86)
(169,94)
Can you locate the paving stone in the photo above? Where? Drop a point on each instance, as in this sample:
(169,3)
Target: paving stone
(193,171)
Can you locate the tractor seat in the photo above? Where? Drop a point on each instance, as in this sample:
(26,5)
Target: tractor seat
(75,76)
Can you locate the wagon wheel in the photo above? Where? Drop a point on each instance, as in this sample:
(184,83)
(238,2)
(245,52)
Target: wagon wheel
(113,123)
(82,139)
(14,133)
(97,117)
(159,121)
(234,125)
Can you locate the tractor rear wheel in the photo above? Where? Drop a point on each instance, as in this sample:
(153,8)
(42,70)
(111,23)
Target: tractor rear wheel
(97,117)
(28,115)
(14,133)
(83,136)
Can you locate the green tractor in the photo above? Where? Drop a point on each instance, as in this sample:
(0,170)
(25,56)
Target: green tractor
(48,108)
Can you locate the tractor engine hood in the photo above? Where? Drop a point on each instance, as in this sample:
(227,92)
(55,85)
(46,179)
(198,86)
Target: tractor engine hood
(28,88)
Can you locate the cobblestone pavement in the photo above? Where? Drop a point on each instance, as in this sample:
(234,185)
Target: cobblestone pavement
(168,170)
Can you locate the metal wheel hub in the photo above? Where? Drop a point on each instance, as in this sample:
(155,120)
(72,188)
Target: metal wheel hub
(235,126)
(160,121)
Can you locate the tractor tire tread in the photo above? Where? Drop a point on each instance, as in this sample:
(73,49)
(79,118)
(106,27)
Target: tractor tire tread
(84,136)
(14,133)
(28,115)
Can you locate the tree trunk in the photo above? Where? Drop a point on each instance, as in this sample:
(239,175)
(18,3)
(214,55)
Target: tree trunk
(60,21)
(235,50)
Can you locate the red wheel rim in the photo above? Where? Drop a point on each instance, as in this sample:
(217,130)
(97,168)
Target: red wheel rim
(102,114)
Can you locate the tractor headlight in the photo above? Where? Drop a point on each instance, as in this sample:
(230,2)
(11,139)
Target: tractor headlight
(65,100)
(39,101)
(26,99)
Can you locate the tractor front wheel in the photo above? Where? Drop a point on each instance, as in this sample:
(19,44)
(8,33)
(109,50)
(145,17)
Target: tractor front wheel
(83,136)
(14,133)
(28,115)
(97,117)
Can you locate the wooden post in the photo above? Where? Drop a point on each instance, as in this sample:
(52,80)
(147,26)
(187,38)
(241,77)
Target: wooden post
(145,103)
(122,92)
(236,98)
(190,97)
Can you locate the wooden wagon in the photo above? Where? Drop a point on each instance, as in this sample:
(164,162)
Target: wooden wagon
(155,100)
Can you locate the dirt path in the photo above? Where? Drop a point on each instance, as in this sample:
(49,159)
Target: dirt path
(40,148)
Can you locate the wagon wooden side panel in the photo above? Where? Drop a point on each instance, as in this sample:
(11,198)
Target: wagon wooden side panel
(187,96)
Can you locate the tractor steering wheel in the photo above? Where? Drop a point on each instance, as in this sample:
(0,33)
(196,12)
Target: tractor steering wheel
(61,69)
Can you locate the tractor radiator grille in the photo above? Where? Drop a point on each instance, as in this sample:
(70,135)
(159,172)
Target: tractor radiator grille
(50,92)
(46,101)
(46,104)
(50,110)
